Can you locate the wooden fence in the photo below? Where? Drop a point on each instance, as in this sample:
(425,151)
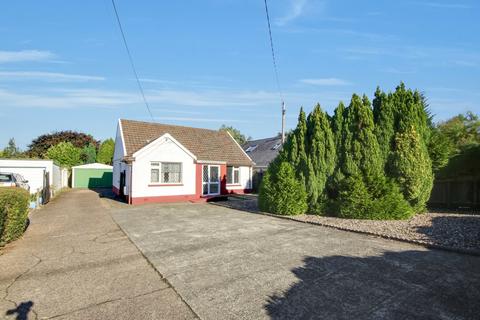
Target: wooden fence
(460,193)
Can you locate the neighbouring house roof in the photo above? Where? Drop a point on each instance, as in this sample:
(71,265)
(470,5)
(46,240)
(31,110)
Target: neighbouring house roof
(263,151)
(205,144)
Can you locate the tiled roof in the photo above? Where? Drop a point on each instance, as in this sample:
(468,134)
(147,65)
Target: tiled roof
(263,151)
(205,144)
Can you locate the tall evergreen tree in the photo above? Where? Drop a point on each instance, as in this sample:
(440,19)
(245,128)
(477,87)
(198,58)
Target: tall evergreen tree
(412,168)
(384,118)
(364,192)
(337,123)
(321,157)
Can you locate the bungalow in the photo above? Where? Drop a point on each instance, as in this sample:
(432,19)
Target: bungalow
(262,152)
(155,162)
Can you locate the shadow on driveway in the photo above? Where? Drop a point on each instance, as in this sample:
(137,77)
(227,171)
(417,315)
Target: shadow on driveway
(395,285)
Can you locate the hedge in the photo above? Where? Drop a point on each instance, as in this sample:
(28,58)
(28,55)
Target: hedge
(13,213)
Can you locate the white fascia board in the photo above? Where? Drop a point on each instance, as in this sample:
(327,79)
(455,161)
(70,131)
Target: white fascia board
(121,136)
(240,147)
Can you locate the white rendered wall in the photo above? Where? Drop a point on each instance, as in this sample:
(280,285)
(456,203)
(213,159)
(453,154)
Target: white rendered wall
(162,150)
(245,179)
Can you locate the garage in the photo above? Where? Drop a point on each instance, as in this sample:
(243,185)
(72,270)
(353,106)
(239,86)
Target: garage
(92,175)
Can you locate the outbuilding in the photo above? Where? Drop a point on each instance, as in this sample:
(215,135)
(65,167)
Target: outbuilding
(92,175)
(156,162)
(44,176)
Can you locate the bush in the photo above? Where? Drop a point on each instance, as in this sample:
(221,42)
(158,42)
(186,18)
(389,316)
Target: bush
(356,201)
(13,213)
(282,193)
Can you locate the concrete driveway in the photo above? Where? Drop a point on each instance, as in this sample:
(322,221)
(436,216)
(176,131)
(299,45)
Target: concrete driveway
(74,262)
(228,264)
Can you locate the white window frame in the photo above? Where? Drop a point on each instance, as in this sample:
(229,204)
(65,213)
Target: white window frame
(232,178)
(158,165)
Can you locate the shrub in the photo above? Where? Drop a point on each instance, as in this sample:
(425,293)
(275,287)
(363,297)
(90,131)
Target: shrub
(281,192)
(13,213)
(384,202)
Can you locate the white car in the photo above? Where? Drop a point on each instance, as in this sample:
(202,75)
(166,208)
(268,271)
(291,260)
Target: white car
(8,179)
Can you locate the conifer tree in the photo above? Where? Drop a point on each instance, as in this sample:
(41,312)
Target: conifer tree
(364,192)
(384,118)
(321,156)
(337,122)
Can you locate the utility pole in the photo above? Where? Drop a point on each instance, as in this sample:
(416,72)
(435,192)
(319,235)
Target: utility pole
(283,122)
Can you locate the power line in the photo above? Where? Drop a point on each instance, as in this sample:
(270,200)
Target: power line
(131,61)
(273,52)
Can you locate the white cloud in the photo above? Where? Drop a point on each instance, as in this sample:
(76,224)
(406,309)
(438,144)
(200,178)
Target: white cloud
(47,76)
(25,55)
(444,5)
(325,82)
(296,10)
(187,119)
(75,98)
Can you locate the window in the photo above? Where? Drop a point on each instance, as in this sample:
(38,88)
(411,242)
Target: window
(251,148)
(233,175)
(171,172)
(166,172)
(275,147)
(155,172)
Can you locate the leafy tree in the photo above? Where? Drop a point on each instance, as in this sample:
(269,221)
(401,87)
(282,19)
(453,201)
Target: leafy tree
(462,130)
(105,152)
(321,157)
(89,154)
(65,154)
(412,169)
(39,146)
(281,192)
(11,150)
(236,134)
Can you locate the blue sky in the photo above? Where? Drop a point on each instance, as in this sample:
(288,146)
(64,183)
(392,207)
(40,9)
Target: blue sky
(205,63)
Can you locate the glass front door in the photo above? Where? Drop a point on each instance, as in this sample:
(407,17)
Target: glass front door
(211,180)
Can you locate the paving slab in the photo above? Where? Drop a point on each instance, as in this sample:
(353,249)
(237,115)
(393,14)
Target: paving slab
(229,264)
(74,262)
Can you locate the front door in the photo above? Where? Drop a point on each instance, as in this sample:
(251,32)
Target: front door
(211,180)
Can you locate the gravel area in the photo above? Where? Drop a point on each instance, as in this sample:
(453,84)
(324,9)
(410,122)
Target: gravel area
(455,231)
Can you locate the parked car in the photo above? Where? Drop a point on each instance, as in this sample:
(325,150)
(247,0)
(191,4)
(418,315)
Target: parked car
(13,180)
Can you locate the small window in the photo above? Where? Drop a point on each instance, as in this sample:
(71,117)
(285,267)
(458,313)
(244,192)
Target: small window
(155,172)
(251,148)
(275,147)
(233,175)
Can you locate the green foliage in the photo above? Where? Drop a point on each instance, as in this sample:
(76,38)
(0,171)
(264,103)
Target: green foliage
(13,213)
(364,162)
(11,150)
(105,152)
(236,134)
(65,154)
(384,118)
(281,192)
(382,201)
(412,169)
(39,146)
(462,131)
(88,154)
(320,148)
(440,149)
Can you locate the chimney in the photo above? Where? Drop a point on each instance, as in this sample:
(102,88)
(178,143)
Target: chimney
(283,122)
